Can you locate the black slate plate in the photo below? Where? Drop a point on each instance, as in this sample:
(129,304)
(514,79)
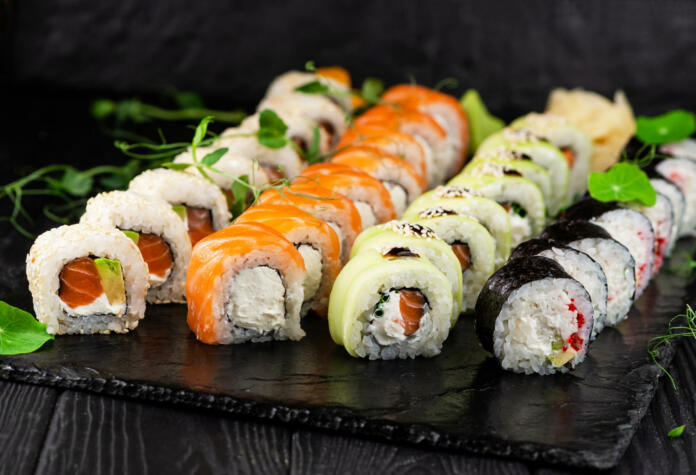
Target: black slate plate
(459,400)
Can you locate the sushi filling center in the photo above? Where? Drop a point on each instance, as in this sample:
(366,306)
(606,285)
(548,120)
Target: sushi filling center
(92,286)
(397,315)
(399,196)
(520,226)
(367,214)
(199,222)
(463,253)
(256,299)
(313,266)
(569,155)
(157,255)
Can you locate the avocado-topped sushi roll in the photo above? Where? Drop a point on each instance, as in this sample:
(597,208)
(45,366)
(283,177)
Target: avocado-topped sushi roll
(507,163)
(410,238)
(469,202)
(678,203)
(396,174)
(629,227)
(368,194)
(157,230)
(661,218)
(520,197)
(87,279)
(526,145)
(573,142)
(471,243)
(331,207)
(440,154)
(198,202)
(445,109)
(681,172)
(579,266)
(392,141)
(245,284)
(534,317)
(390,304)
(614,258)
(316,241)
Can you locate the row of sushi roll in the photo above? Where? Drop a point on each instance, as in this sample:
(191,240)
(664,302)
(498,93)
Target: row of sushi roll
(156,241)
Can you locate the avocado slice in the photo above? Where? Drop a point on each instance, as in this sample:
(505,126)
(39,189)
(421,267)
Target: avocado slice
(561,358)
(132,235)
(180,210)
(112,280)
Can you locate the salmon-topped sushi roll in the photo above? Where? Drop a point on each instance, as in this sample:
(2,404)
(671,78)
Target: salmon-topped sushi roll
(87,279)
(316,241)
(445,109)
(157,230)
(391,141)
(368,194)
(396,174)
(439,153)
(198,202)
(245,284)
(334,208)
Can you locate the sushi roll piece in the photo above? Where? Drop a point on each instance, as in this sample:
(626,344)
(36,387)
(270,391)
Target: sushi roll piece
(157,230)
(300,129)
(399,238)
(683,149)
(87,279)
(386,306)
(227,170)
(440,155)
(678,202)
(393,142)
(661,218)
(469,202)
(443,108)
(368,194)
(521,198)
(245,284)
(681,172)
(336,79)
(316,241)
(333,208)
(614,258)
(471,243)
(398,176)
(579,266)
(277,163)
(525,145)
(629,227)
(534,317)
(493,164)
(200,203)
(573,142)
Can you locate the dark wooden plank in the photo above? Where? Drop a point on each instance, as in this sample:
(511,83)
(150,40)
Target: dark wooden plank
(316,452)
(109,435)
(25,413)
(651,451)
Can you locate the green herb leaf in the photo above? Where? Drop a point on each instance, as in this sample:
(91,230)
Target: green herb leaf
(670,127)
(239,190)
(187,100)
(212,158)
(271,139)
(676,432)
(309,66)
(20,332)
(176,166)
(312,153)
(76,183)
(622,182)
(201,130)
(102,108)
(372,89)
(313,87)
(270,121)
(481,122)
(449,83)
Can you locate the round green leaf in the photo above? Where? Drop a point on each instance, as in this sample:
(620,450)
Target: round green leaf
(20,332)
(673,126)
(622,182)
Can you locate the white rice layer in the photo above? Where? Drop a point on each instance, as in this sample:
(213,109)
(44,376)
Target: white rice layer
(661,218)
(534,317)
(676,199)
(313,266)
(617,264)
(398,195)
(682,172)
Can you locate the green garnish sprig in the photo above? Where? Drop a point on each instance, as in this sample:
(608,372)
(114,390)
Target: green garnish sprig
(682,325)
(672,126)
(676,432)
(623,182)
(20,332)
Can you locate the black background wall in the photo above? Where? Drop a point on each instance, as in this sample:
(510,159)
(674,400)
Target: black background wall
(56,54)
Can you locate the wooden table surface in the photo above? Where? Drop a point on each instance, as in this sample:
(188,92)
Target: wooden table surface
(45,430)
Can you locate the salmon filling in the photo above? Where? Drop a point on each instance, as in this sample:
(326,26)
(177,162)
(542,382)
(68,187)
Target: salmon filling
(156,253)
(398,315)
(92,286)
(199,222)
(463,253)
(569,155)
